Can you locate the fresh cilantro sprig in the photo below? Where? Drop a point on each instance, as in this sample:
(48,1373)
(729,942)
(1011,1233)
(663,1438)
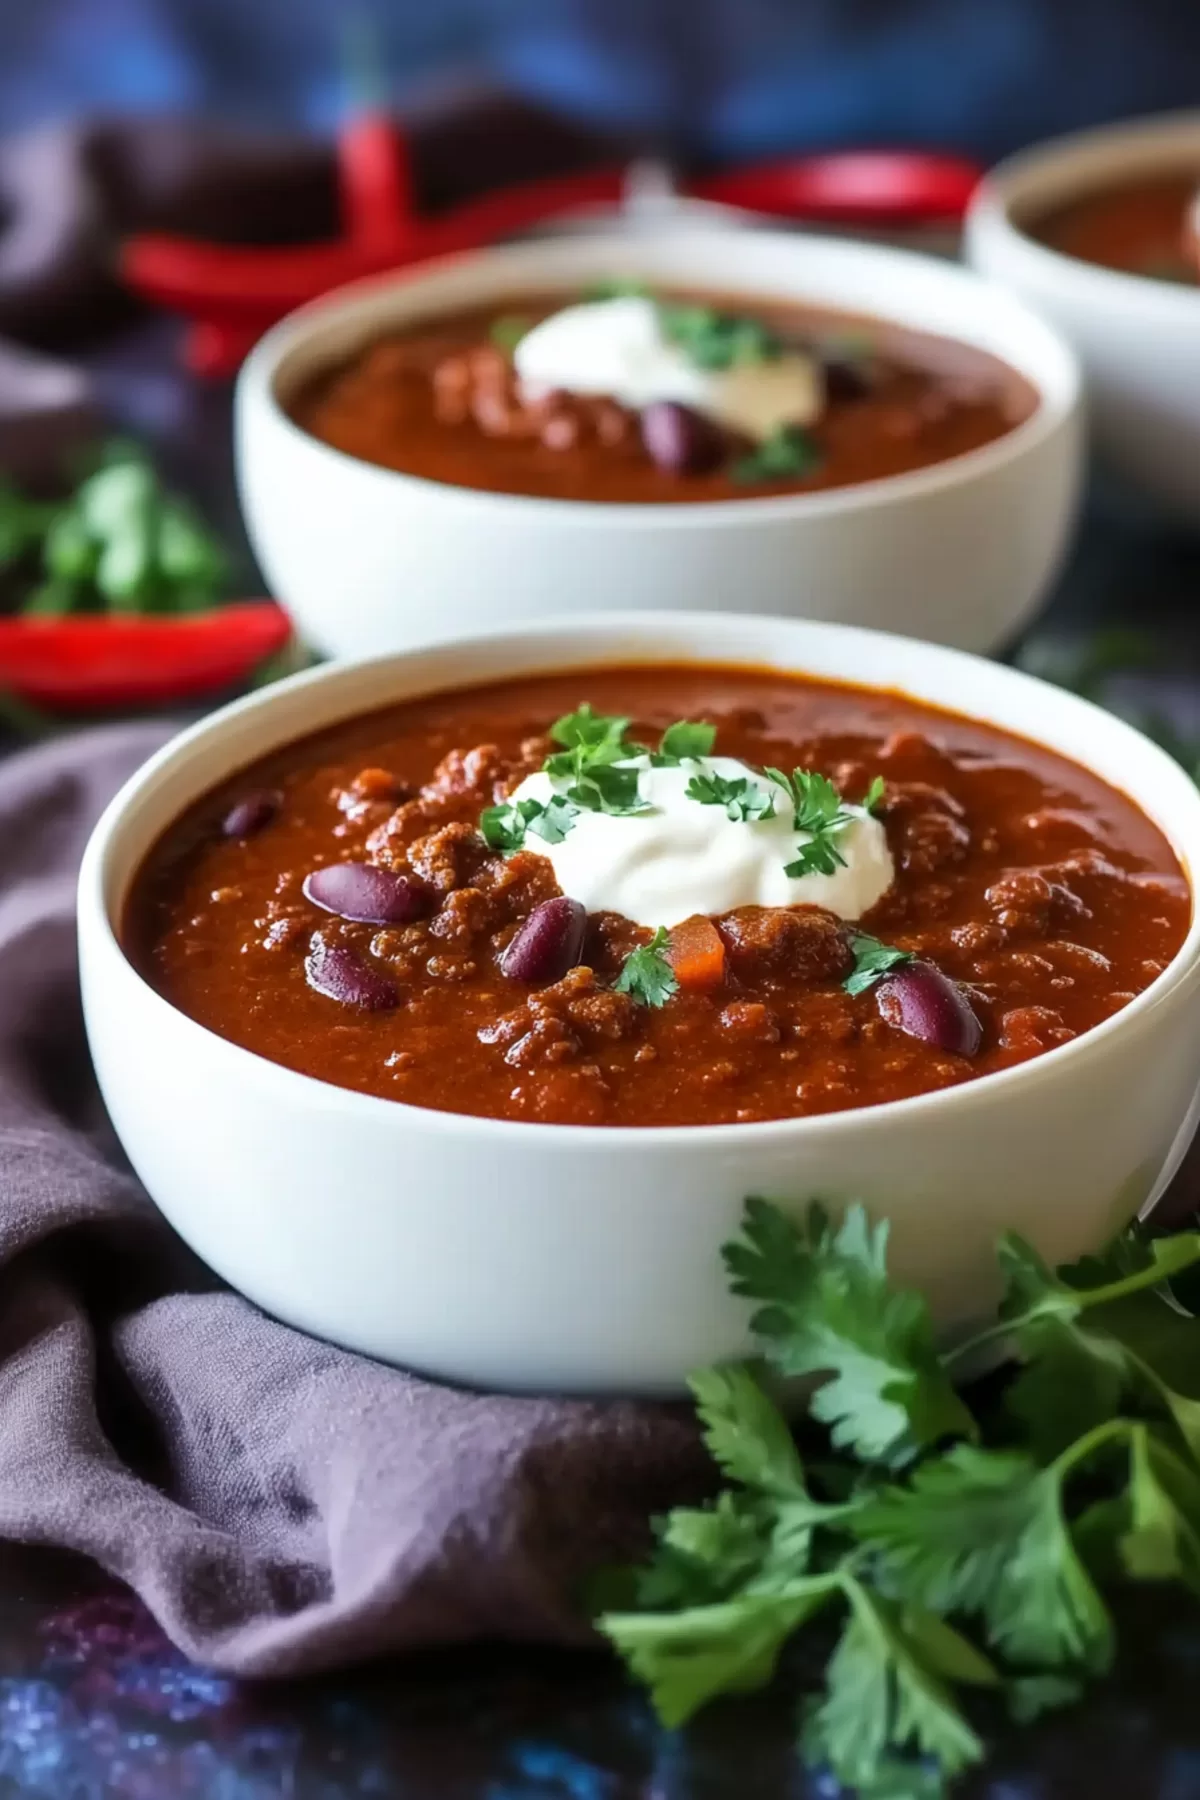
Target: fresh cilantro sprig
(595,746)
(118,543)
(787,452)
(687,740)
(646,975)
(817,809)
(872,960)
(742,798)
(504,827)
(507,330)
(712,339)
(965,1546)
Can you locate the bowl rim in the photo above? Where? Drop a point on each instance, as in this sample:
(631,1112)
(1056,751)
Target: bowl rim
(1059,395)
(1015,182)
(96,914)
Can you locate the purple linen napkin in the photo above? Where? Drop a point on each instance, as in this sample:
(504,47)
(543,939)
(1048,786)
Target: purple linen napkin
(279,1505)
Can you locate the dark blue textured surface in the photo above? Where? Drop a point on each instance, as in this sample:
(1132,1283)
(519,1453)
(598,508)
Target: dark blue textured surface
(737,77)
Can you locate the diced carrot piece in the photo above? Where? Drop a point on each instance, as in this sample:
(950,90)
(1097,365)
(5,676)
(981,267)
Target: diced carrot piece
(696,953)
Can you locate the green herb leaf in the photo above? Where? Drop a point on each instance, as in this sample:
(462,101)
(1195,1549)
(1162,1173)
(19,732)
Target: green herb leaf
(686,1658)
(872,960)
(685,741)
(718,340)
(504,827)
(595,745)
(817,809)
(885,1693)
(788,452)
(921,1538)
(646,974)
(742,798)
(507,331)
(617,287)
(827,1309)
(874,794)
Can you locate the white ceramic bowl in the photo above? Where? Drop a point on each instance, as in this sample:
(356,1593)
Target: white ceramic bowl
(581,1257)
(369,560)
(1137,338)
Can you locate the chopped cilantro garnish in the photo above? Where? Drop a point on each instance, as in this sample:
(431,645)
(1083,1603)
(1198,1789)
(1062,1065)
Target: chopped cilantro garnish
(818,810)
(617,287)
(504,827)
(718,340)
(871,961)
(965,1538)
(742,798)
(873,795)
(684,741)
(507,331)
(595,745)
(788,451)
(646,975)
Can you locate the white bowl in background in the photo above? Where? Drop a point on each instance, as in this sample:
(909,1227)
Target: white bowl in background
(1137,337)
(370,560)
(586,1258)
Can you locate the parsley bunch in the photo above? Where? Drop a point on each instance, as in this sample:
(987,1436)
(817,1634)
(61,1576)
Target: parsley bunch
(120,543)
(963,1549)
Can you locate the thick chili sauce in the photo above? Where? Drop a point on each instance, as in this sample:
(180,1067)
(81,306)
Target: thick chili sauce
(1047,894)
(440,401)
(1136,227)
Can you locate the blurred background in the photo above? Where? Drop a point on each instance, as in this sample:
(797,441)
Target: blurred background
(220,120)
(717,78)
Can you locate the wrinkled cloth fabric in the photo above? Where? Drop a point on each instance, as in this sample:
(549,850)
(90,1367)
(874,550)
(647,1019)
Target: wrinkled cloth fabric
(279,1505)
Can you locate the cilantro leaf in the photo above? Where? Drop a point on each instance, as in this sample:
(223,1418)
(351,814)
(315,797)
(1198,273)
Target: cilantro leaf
(686,1658)
(817,809)
(601,736)
(508,329)
(746,1433)
(504,827)
(742,798)
(788,452)
(684,741)
(829,1310)
(871,961)
(717,340)
(646,975)
(596,748)
(983,1531)
(1162,1542)
(874,794)
(885,1693)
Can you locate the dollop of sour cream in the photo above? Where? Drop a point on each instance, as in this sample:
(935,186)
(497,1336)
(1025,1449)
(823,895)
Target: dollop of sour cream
(618,348)
(681,856)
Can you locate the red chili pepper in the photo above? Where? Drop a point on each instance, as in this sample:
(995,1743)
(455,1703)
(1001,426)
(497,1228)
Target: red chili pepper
(375,170)
(231,283)
(867,188)
(100,661)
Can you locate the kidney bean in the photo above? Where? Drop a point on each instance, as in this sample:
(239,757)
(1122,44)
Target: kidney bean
(680,440)
(548,943)
(252,813)
(920,1000)
(845,380)
(340,975)
(366,893)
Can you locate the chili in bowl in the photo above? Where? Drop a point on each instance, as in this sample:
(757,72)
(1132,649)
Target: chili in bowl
(482,984)
(1097,232)
(800,426)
